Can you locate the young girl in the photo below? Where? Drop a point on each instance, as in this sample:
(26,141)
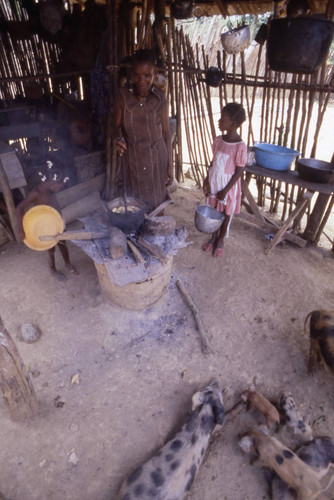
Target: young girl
(222,186)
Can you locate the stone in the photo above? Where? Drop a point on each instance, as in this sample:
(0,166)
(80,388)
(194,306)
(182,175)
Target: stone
(29,333)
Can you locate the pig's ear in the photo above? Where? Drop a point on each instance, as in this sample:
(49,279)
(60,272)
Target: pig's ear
(197,400)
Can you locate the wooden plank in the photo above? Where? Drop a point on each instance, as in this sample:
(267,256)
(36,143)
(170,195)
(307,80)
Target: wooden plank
(13,170)
(290,177)
(75,235)
(251,219)
(301,205)
(68,196)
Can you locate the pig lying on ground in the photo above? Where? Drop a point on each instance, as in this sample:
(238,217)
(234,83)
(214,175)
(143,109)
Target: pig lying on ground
(269,452)
(260,403)
(292,417)
(321,339)
(319,455)
(170,473)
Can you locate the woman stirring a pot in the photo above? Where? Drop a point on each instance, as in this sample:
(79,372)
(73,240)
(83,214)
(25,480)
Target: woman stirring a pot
(141,117)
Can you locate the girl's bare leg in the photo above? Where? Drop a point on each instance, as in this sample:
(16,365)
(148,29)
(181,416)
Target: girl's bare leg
(52,264)
(66,256)
(208,246)
(219,243)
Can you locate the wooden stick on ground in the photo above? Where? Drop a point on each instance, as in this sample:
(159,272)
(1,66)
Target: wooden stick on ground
(206,348)
(15,384)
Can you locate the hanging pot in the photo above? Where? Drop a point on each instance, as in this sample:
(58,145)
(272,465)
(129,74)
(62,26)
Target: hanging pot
(213,76)
(181,9)
(236,40)
(299,44)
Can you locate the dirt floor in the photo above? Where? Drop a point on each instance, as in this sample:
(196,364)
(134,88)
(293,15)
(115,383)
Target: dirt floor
(137,371)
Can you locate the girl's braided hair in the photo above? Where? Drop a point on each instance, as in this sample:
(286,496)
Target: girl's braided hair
(236,112)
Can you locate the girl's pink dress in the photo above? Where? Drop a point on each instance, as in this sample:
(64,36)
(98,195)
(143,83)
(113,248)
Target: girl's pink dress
(226,157)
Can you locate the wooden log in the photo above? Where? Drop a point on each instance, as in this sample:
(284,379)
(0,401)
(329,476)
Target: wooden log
(82,207)
(72,194)
(117,244)
(135,252)
(155,250)
(159,225)
(16,386)
(205,345)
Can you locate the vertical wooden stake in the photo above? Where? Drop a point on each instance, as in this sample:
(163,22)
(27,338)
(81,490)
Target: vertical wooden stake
(15,384)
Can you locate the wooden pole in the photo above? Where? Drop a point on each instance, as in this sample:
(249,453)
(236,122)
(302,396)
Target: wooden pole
(9,201)
(17,389)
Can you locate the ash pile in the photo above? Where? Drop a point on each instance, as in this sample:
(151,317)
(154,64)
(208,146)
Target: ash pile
(136,256)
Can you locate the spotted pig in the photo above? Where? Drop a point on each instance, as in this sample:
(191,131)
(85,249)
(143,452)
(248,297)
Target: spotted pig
(270,452)
(321,339)
(292,417)
(170,473)
(319,455)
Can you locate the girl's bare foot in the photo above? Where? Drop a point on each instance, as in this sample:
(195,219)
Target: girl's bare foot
(219,250)
(58,275)
(208,246)
(71,269)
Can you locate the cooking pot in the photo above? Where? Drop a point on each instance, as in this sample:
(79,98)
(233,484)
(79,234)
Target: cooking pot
(299,44)
(236,40)
(214,76)
(130,220)
(313,170)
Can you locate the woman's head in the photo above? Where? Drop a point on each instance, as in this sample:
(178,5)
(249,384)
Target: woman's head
(143,71)
(232,115)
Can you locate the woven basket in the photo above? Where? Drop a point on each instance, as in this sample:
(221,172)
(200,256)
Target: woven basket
(207,219)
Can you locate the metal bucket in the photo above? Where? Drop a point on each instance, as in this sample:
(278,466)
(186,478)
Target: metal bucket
(207,219)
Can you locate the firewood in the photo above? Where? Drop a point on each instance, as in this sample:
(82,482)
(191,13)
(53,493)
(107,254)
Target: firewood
(118,243)
(135,252)
(153,249)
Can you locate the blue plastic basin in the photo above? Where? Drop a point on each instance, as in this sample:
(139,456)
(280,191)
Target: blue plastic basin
(274,157)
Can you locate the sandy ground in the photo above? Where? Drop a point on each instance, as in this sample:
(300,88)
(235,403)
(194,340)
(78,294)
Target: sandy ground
(138,370)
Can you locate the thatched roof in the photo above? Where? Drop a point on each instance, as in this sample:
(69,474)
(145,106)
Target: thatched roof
(233,7)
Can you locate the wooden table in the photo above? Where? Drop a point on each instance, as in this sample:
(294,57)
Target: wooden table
(316,220)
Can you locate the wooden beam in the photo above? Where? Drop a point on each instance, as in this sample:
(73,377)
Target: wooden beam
(301,206)
(7,194)
(251,219)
